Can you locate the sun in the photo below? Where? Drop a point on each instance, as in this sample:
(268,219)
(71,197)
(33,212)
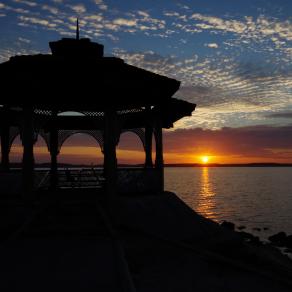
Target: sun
(205,159)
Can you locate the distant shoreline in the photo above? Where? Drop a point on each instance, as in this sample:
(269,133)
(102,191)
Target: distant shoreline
(229,165)
(63,165)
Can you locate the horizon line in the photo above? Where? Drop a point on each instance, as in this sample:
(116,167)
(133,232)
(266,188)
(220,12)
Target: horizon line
(252,164)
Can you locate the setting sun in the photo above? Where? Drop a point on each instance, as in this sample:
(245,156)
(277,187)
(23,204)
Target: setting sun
(205,159)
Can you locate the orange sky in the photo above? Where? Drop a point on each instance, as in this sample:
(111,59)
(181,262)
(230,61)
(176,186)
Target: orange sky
(227,145)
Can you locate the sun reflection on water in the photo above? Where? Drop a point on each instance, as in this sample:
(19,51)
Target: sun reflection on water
(206,197)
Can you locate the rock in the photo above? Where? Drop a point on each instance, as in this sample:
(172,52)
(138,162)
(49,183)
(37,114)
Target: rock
(257,229)
(246,235)
(256,241)
(228,225)
(241,227)
(278,239)
(288,250)
(266,228)
(288,241)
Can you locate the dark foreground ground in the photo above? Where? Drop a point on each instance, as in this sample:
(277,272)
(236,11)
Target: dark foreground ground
(146,243)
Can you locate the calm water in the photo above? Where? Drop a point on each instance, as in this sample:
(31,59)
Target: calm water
(253,197)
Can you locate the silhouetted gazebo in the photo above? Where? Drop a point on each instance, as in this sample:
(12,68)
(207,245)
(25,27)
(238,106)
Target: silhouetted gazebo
(112,96)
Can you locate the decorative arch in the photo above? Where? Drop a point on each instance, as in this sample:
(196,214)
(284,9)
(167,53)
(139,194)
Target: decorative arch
(41,150)
(155,135)
(46,137)
(69,113)
(13,133)
(15,150)
(63,135)
(139,132)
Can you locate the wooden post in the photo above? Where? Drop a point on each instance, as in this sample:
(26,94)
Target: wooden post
(159,154)
(148,147)
(110,159)
(54,151)
(5,165)
(28,140)
(5,147)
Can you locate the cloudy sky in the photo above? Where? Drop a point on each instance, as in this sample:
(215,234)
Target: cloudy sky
(233,57)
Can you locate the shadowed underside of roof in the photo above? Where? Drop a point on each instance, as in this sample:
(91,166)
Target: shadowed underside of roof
(48,81)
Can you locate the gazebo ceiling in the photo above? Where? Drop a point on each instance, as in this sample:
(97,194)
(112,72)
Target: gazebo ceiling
(169,114)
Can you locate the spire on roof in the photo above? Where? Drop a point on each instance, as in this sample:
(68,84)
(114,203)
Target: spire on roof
(77,29)
(81,47)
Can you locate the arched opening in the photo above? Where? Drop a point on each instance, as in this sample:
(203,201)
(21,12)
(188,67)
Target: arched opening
(41,153)
(130,150)
(153,149)
(16,153)
(70,113)
(80,149)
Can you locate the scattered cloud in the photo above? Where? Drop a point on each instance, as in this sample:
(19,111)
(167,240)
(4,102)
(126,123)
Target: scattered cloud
(212,45)
(211,22)
(24,40)
(78,8)
(125,22)
(39,21)
(51,9)
(101,4)
(261,33)
(28,3)
(227,92)
(281,115)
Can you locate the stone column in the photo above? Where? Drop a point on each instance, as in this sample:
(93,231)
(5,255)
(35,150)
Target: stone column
(28,139)
(159,154)
(148,146)
(110,158)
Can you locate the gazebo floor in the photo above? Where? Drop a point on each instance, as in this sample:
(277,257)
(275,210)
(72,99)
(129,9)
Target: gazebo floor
(158,244)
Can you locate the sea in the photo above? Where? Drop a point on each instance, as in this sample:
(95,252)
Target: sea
(258,199)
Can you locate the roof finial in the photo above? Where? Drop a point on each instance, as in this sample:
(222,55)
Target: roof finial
(77,29)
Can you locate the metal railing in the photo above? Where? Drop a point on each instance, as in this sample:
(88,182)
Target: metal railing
(129,179)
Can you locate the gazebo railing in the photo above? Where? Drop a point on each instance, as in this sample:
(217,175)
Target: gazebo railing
(138,180)
(129,180)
